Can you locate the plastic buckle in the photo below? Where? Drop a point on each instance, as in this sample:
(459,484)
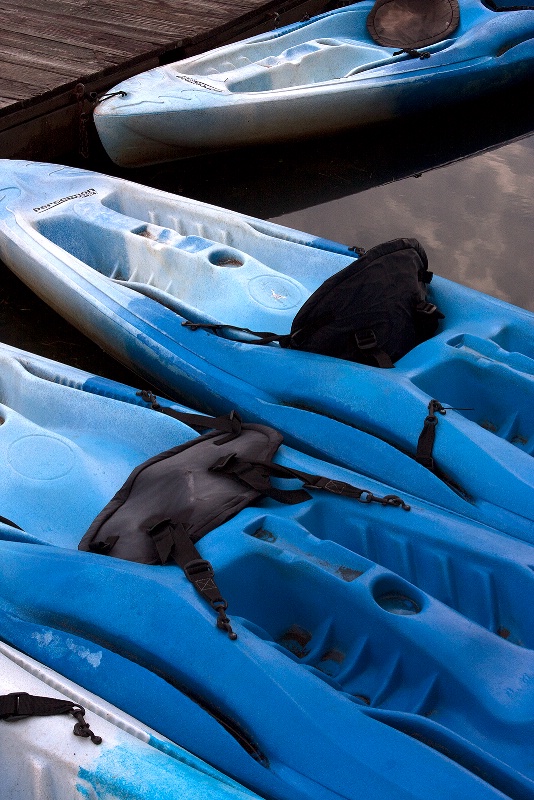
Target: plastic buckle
(426,308)
(196,568)
(16,705)
(366,339)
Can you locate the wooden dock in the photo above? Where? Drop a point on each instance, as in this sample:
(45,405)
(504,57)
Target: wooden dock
(50,47)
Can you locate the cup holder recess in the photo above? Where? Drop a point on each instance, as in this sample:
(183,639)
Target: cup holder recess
(398,603)
(226,258)
(398,598)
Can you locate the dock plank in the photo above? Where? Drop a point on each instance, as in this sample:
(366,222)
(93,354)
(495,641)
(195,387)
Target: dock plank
(66,29)
(120,20)
(49,46)
(17,47)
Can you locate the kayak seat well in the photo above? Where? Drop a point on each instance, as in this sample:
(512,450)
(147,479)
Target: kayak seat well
(483,389)
(311,62)
(201,279)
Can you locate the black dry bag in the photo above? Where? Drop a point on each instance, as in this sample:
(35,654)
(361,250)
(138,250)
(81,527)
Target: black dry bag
(374,311)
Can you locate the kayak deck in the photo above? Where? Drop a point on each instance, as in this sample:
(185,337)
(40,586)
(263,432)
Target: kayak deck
(365,628)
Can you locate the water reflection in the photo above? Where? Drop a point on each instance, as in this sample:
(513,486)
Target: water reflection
(475,218)
(271,181)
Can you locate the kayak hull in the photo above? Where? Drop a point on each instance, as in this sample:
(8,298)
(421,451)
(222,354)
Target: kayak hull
(308,79)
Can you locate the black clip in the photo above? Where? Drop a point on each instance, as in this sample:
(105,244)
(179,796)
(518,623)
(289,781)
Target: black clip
(426,308)
(411,53)
(366,339)
(149,397)
(223,623)
(82,728)
(197,568)
(16,706)
(435,407)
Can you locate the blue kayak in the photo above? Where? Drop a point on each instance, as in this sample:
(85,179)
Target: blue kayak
(392,645)
(41,759)
(315,77)
(128,265)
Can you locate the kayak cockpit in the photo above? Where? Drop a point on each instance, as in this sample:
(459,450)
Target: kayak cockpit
(198,267)
(311,62)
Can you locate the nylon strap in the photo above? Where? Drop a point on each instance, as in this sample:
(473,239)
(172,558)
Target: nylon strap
(230,422)
(172,541)
(18,705)
(264,337)
(367,345)
(7,521)
(243,470)
(425,443)
(22,704)
(255,475)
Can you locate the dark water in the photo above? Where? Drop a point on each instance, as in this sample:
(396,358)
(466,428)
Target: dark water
(475,219)
(461,181)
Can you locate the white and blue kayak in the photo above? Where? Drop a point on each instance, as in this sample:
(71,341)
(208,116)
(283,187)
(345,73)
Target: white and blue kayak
(130,265)
(373,641)
(330,73)
(41,758)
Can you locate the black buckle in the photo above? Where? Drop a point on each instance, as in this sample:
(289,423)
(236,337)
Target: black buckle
(424,275)
(196,568)
(366,339)
(426,308)
(15,714)
(149,397)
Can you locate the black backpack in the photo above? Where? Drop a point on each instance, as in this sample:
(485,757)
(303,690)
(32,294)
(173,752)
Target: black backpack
(172,500)
(374,311)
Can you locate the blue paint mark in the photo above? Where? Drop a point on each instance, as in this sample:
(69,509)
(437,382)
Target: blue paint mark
(138,772)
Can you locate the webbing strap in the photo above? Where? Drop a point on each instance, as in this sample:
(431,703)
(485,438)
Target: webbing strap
(425,443)
(263,337)
(411,53)
(18,705)
(22,704)
(7,521)
(243,470)
(172,541)
(365,339)
(229,422)
(367,345)
(426,319)
(256,475)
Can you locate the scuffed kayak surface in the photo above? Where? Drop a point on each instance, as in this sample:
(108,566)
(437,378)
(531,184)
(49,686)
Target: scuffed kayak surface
(310,78)
(41,759)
